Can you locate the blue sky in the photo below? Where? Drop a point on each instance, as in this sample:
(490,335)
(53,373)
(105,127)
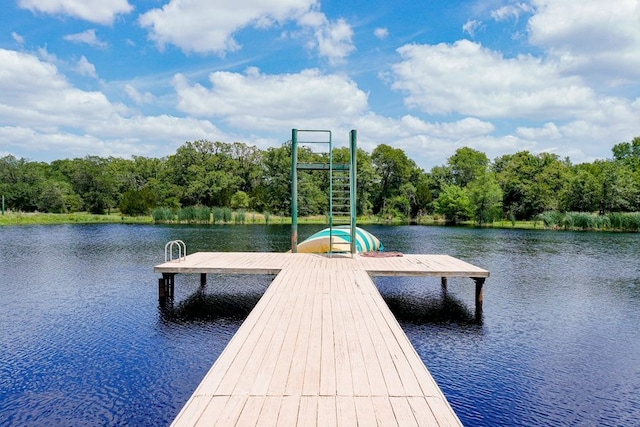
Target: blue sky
(124,77)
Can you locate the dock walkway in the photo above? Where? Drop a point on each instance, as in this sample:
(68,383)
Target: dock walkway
(321,347)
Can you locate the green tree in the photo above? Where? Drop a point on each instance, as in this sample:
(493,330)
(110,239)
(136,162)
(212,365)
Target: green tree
(137,202)
(485,196)
(366,177)
(466,165)
(94,182)
(275,193)
(21,182)
(393,169)
(454,203)
(530,183)
(582,192)
(439,178)
(240,200)
(628,153)
(424,196)
(206,172)
(58,197)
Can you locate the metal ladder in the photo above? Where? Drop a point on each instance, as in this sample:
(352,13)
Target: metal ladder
(342,179)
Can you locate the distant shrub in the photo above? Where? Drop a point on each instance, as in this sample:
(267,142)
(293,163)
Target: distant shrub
(551,219)
(240,217)
(187,214)
(218,215)
(202,214)
(162,215)
(227,214)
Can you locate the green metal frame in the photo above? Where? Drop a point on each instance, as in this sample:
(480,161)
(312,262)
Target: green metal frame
(351,167)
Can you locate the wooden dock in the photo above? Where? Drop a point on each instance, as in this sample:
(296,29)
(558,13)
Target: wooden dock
(321,347)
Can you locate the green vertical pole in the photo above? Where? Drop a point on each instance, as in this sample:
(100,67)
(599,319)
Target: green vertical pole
(353,179)
(330,194)
(3,204)
(294,190)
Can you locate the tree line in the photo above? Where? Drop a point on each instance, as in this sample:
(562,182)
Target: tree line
(519,186)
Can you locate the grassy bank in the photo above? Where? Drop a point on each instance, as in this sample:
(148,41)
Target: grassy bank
(21,218)
(547,221)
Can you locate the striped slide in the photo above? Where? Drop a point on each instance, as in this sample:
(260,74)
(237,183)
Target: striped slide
(319,242)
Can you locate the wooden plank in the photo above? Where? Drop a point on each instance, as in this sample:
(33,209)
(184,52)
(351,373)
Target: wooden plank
(346,411)
(277,360)
(327,411)
(289,408)
(223,410)
(270,409)
(422,411)
(383,412)
(321,347)
(370,361)
(416,366)
(358,366)
(298,365)
(343,372)
(365,412)
(403,412)
(387,366)
(327,350)
(308,412)
(253,346)
(192,410)
(313,361)
(442,411)
(251,412)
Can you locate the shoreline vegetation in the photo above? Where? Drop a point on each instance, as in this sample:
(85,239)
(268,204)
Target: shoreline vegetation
(218,182)
(553,220)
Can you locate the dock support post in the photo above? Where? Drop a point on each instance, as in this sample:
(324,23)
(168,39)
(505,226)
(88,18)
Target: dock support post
(203,280)
(166,286)
(479,296)
(443,282)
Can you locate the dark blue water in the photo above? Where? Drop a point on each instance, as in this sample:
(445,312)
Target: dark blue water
(83,341)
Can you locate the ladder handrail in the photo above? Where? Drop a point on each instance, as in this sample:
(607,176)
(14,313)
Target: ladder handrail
(168,251)
(342,186)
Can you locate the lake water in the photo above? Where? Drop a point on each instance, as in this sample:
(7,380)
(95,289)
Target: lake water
(83,341)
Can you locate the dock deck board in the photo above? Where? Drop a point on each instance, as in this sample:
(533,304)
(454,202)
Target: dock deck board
(321,347)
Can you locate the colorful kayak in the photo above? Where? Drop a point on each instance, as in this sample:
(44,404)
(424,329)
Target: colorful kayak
(319,242)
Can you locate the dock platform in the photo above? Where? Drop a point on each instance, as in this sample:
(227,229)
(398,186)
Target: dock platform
(321,347)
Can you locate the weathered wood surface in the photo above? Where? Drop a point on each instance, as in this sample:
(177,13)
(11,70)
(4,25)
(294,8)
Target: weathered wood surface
(321,347)
(272,263)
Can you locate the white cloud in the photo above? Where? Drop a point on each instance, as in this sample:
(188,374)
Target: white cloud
(468,79)
(511,11)
(197,26)
(41,110)
(46,56)
(17,38)
(273,102)
(138,97)
(98,11)
(381,33)
(204,27)
(86,68)
(586,37)
(470,27)
(335,40)
(88,37)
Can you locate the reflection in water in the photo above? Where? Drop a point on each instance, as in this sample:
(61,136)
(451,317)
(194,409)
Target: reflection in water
(205,306)
(226,296)
(81,343)
(427,309)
